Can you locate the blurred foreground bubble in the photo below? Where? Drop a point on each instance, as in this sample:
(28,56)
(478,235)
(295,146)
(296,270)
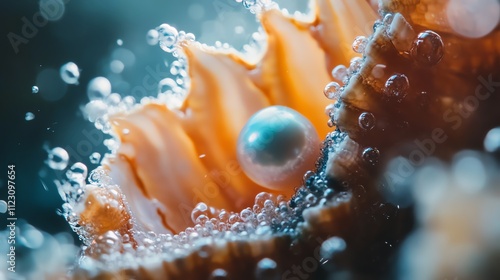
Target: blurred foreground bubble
(52,10)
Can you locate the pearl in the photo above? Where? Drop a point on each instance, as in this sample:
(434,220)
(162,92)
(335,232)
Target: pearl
(277,146)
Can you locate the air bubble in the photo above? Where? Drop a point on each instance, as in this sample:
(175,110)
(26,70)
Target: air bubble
(339,73)
(58,158)
(330,122)
(428,48)
(168,37)
(113,99)
(98,88)
(70,73)
(152,37)
(34,89)
(359,44)
(261,198)
(246,214)
(119,42)
(29,116)
(366,121)
(396,87)
(332,90)
(77,172)
(371,155)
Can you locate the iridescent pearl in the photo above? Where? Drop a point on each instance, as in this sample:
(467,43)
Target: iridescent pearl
(277,146)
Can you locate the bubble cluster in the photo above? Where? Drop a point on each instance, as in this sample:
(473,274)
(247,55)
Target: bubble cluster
(396,88)
(332,90)
(57,158)
(339,72)
(359,44)
(366,121)
(98,88)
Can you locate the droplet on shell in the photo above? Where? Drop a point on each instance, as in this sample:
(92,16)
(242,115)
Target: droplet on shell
(428,48)
(371,155)
(366,121)
(70,73)
(396,87)
(332,90)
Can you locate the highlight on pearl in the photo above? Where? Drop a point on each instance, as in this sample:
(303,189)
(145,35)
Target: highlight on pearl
(277,146)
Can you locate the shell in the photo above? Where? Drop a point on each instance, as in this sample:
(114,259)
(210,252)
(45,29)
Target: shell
(394,111)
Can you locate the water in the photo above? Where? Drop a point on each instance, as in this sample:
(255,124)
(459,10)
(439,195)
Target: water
(152,37)
(366,121)
(371,155)
(340,72)
(167,37)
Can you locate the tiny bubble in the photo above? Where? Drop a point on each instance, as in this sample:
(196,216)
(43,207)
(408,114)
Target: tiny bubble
(29,116)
